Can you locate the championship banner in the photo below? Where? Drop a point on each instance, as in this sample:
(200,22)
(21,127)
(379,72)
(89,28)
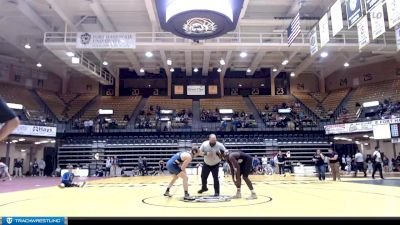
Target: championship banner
(354,12)
(324,30)
(313,41)
(32,130)
(363,32)
(178,89)
(336,17)
(369,4)
(196,90)
(212,89)
(393,11)
(347,128)
(398,37)
(105,40)
(377,21)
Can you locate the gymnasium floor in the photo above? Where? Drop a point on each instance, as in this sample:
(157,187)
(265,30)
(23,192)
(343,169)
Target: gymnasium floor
(142,197)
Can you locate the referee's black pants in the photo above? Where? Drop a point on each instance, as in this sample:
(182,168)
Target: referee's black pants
(204,175)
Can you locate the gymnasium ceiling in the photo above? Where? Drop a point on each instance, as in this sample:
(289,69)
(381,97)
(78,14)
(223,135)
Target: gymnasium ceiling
(26,21)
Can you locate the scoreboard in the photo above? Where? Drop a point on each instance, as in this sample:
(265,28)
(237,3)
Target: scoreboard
(394,130)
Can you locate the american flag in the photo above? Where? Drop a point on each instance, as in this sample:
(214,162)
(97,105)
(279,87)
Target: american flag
(294,29)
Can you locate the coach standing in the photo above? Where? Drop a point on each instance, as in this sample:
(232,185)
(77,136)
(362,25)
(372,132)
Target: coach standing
(211,150)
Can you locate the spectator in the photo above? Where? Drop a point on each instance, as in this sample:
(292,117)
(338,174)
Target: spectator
(108,166)
(35,168)
(334,164)
(377,162)
(42,166)
(318,159)
(359,160)
(281,163)
(18,167)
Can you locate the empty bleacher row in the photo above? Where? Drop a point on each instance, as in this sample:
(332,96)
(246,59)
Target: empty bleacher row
(236,103)
(123,108)
(128,149)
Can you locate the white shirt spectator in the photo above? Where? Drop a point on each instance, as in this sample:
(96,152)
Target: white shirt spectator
(378,156)
(264,160)
(108,163)
(42,164)
(359,157)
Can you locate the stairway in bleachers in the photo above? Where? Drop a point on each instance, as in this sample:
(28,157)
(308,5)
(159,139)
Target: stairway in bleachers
(87,106)
(135,113)
(343,104)
(196,112)
(255,112)
(44,106)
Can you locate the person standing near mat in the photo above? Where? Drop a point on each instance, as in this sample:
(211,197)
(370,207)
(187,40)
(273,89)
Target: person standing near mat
(359,158)
(176,165)
(334,164)
(4,172)
(211,150)
(318,159)
(240,164)
(377,162)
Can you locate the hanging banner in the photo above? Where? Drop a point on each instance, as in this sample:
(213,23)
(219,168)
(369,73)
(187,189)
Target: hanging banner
(398,37)
(336,17)
(324,30)
(369,4)
(32,130)
(393,11)
(196,90)
(377,21)
(313,41)
(354,12)
(363,32)
(105,40)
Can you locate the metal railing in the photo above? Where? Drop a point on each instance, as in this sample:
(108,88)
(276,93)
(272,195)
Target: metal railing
(203,127)
(344,37)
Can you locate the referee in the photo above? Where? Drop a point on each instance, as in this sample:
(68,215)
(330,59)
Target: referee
(9,120)
(211,150)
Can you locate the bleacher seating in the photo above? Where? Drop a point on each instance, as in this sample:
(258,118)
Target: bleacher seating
(165,103)
(319,96)
(371,92)
(79,150)
(64,106)
(21,95)
(122,105)
(55,104)
(323,109)
(236,103)
(333,100)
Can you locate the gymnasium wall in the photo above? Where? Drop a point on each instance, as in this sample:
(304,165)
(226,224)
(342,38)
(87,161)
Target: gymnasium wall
(385,147)
(15,153)
(82,84)
(305,82)
(361,75)
(30,77)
